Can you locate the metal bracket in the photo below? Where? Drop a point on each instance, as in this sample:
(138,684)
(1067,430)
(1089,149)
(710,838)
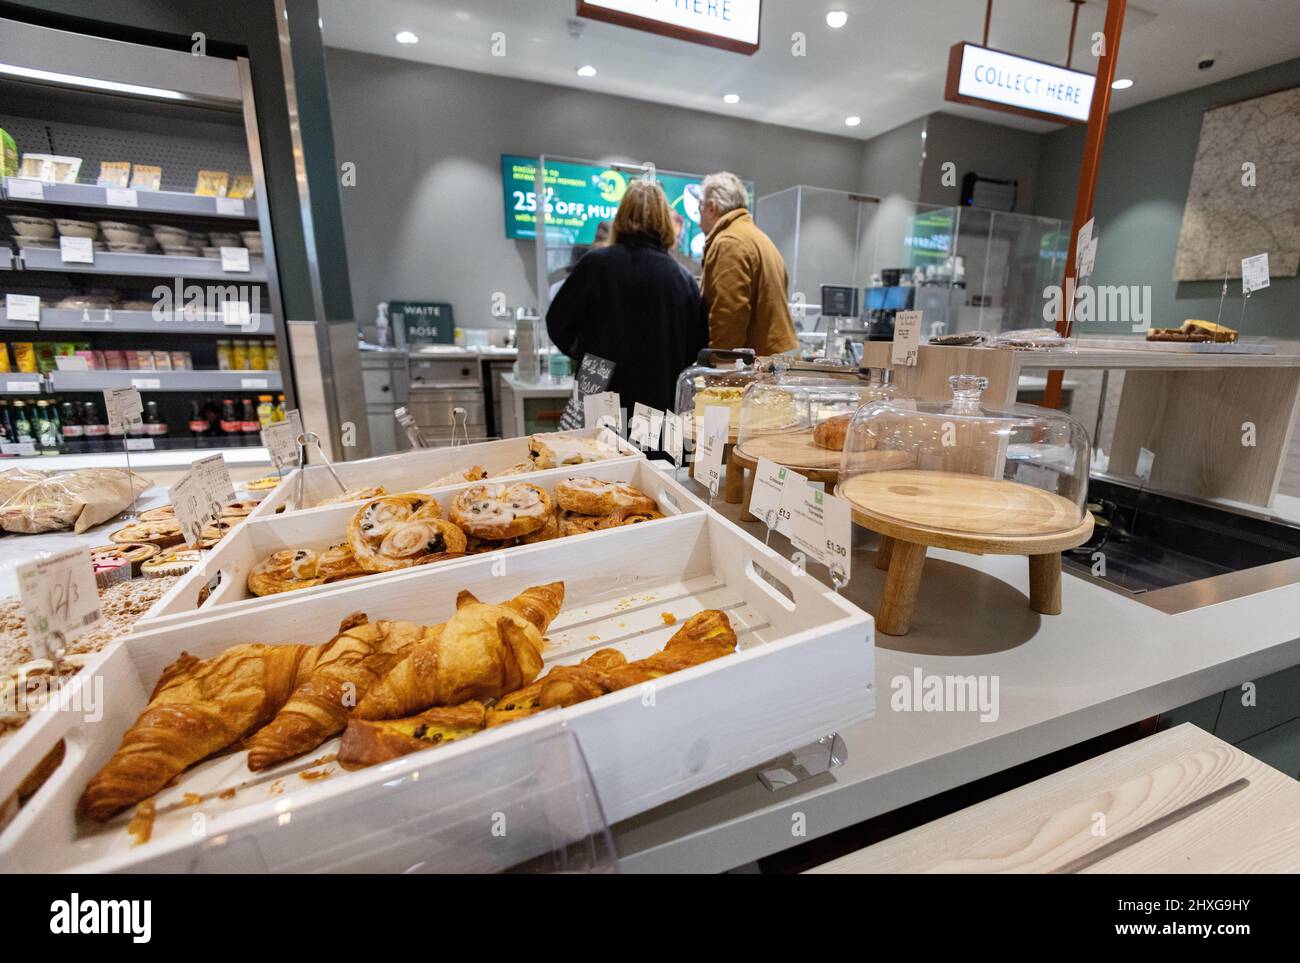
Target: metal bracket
(827,753)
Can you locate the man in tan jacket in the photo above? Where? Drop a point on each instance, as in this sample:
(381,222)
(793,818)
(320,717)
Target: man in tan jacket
(744,282)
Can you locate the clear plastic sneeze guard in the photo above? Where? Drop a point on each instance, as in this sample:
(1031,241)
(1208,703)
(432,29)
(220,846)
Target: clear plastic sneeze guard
(512,807)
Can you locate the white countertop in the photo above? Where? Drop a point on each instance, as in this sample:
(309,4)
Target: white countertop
(1106,662)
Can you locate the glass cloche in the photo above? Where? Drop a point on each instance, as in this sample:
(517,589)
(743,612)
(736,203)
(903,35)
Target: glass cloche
(799,419)
(718,378)
(961,467)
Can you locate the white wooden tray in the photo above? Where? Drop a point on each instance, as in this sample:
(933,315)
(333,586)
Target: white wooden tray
(318,528)
(805,667)
(409,471)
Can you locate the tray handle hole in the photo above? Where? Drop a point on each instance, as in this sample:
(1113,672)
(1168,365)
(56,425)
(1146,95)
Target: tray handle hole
(769,583)
(666,498)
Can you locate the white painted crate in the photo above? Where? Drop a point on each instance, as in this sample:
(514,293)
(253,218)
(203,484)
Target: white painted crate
(318,528)
(408,471)
(805,668)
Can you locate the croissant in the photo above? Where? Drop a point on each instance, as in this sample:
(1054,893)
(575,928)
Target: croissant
(198,707)
(346,667)
(366,743)
(482,651)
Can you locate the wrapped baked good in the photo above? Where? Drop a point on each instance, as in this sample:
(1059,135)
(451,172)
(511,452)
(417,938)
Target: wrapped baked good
(75,500)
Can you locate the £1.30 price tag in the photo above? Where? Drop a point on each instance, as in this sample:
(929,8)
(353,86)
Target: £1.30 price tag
(837,534)
(59,595)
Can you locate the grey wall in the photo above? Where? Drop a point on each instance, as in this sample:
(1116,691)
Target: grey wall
(425,219)
(1145,171)
(891,162)
(973,145)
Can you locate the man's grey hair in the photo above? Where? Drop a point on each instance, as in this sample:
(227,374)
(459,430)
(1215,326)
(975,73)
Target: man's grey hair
(726,190)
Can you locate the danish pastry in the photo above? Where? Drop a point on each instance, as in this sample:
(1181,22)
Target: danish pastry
(163,534)
(473,473)
(502,511)
(398,530)
(300,568)
(573,523)
(593,496)
(354,495)
(552,451)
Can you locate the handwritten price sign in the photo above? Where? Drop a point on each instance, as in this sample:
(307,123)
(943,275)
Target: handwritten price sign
(59,596)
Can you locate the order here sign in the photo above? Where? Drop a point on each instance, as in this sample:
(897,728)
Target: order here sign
(1002,81)
(729,24)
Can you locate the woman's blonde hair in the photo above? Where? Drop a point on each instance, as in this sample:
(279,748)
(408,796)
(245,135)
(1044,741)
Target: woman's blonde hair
(644,212)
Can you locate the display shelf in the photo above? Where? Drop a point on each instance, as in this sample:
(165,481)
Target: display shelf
(112,320)
(179,457)
(99,380)
(143,265)
(21,383)
(151,202)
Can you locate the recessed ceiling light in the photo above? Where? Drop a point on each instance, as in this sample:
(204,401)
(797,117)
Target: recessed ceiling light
(731,98)
(836,19)
(852,121)
(407,37)
(1123,84)
(586,70)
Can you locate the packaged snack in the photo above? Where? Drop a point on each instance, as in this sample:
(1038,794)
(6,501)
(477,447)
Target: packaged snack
(256,356)
(114,174)
(225,355)
(89,357)
(181,361)
(241,185)
(4,358)
(8,155)
(115,360)
(211,183)
(146,178)
(46,352)
(25,357)
(239,355)
(144,360)
(162,360)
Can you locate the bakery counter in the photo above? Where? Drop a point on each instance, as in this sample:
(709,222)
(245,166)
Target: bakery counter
(1051,682)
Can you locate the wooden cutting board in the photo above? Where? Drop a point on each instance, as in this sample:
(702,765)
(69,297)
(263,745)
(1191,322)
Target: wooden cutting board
(962,504)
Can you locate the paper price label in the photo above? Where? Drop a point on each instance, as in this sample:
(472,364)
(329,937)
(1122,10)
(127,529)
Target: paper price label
(77,250)
(123,406)
(1254,273)
(771,481)
(236,314)
(23,387)
(807,522)
(837,535)
(139,444)
(121,197)
(21,448)
(1146,459)
(19,188)
(235,259)
(907,338)
(646,426)
(230,205)
(215,477)
(59,596)
(253,383)
(602,411)
(148,384)
(673,436)
(194,512)
(711,439)
(22,307)
(1088,260)
(72,363)
(281,441)
(1082,241)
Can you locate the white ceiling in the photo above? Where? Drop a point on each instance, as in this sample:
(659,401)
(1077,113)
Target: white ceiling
(887,65)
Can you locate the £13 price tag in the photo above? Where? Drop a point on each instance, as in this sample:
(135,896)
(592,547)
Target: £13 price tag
(59,596)
(771,481)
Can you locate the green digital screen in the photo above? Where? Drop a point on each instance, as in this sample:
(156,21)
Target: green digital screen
(580,196)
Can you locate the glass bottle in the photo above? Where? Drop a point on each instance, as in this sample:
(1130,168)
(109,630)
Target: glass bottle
(94,427)
(74,433)
(154,426)
(229,418)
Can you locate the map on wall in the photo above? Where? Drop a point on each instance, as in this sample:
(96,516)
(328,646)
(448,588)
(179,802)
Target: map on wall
(1226,220)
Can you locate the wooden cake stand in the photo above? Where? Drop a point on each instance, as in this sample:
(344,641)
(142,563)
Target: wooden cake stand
(913,509)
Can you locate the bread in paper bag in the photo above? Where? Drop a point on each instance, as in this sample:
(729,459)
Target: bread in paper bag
(78,499)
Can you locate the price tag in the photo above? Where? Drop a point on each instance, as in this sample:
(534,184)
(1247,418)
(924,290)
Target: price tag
(23,387)
(646,426)
(77,250)
(673,436)
(907,337)
(121,197)
(711,440)
(233,206)
(21,448)
(22,307)
(602,410)
(148,384)
(281,441)
(139,444)
(215,476)
(234,259)
(1081,244)
(123,406)
(837,533)
(59,595)
(1146,458)
(251,383)
(1088,260)
(771,481)
(1254,273)
(71,362)
(193,510)
(236,314)
(21,188)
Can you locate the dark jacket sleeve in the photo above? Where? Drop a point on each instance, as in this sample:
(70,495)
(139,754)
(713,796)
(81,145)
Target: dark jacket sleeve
(568,315)
(697,321)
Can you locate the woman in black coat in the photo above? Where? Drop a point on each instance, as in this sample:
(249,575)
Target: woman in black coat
(633,304)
